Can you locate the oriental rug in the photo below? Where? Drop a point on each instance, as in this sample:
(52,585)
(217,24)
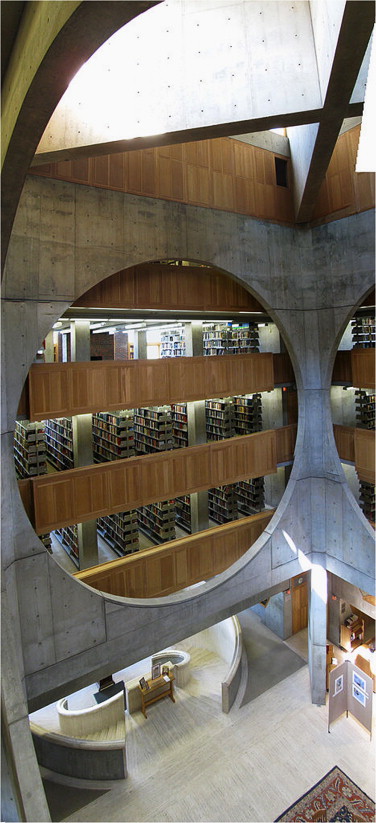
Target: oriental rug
(335,797)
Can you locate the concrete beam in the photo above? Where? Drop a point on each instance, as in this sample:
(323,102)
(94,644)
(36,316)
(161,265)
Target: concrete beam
(312,146)
(53,42)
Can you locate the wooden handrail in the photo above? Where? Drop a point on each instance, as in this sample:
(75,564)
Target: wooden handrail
(164,569)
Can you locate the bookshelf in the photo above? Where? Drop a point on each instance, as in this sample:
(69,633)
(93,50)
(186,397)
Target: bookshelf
(173,343)
(363,332)
(120,531)
(153,429)
(30,456)
(365,409)
(230,338)
(183,513)
(59,443)
(250,495)
(223,503)
(247,413)
(219,418)
(68,537)
(179,425)
(367,500)
(113,437)
(157,521)
(30,449)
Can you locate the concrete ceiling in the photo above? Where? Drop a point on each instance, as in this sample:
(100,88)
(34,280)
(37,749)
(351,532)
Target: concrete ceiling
(299,65)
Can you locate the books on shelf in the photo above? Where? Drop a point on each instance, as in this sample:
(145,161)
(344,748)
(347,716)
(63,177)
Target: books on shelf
(173,343)
(120,531)
(30,449)
(113,435)
(367,500)
(223,504)
(179,425)
(59,442)
(250,495)
(247,413)
(153,429)
(365,409)
(183,512)
(219,418)
(68,536)
(363,330)
(157,521)
(231,338)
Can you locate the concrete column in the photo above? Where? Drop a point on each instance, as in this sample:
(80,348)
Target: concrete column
(196,427)
(193,339)
(82,446)
(80,340)
(317,633)
(140,345)
(49,347)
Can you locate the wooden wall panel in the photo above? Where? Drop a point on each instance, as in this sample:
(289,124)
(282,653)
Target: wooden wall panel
(222,173)
(164,569)
(285,443)
(358,447)
(342,367)
(363,368)
(364,449)
(159,286)
(283,369)
(344,437)
(65,389)
(81,494)
(344,191)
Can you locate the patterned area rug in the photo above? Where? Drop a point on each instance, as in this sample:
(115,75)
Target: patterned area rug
(335,797)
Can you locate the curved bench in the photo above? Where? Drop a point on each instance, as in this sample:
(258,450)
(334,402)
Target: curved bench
(79,723)
(180,661)
(88,759)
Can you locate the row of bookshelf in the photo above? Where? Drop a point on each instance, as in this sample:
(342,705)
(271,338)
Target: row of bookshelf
(245,497)
(365,409)
(29,449)
(367,500)
(363,330)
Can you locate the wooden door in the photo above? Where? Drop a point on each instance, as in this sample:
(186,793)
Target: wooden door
(299,598)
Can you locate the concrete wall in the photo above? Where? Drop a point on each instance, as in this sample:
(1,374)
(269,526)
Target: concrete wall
(277,615)
(66,239)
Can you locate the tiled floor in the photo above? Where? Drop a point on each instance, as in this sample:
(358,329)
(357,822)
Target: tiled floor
(190,762)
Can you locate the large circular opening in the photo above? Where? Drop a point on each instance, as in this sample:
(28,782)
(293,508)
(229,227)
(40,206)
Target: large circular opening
(353,404)
(162,408)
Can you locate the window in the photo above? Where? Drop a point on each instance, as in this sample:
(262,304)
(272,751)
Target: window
(281,171)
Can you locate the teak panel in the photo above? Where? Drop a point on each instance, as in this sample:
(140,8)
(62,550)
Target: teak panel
(165,569)
(364,449)
(363,368)
(344,437)
(283,369)
(214,174)
(81,494)
(65,389)
(285,443)
(344,191)
(342,372)
(159,286)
